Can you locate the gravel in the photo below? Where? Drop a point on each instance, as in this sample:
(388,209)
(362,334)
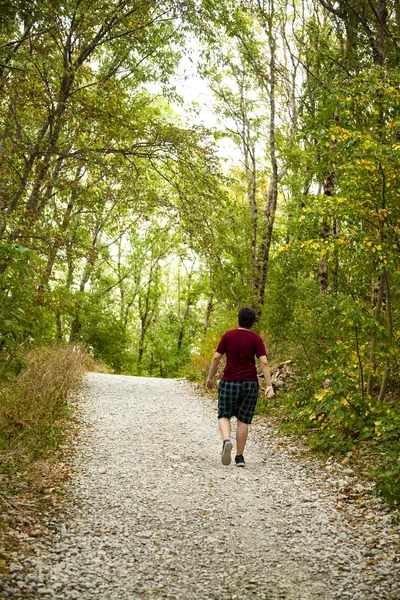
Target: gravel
(154,514)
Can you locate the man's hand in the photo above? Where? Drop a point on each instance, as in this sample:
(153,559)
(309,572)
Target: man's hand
(213,370)
(269,391)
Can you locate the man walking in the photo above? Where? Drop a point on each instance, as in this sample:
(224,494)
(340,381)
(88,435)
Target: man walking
(238,388)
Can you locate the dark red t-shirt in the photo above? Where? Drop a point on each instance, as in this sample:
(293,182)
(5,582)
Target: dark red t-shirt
(240,346)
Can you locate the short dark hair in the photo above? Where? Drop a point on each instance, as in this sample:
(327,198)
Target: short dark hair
(247,316)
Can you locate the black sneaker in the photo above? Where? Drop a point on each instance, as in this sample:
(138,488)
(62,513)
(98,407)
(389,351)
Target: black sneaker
(239,460)
(226,452)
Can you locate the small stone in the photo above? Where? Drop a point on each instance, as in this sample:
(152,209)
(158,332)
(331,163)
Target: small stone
(14,567)
(348,472)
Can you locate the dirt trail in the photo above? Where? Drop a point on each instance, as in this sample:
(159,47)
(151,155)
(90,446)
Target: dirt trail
(156,515)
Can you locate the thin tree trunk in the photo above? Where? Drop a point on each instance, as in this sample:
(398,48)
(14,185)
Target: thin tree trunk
(58,326)
(323,278)
(25,175)
(90,260)
(335,268)
(372,354)
(121,283)
(272,196)
(381,32)
(33,201)
(15,47)
(54,123)
(210,306)
(147,310)
(187,311)
(322,264)
(250,166)
(389,312)
(54,250)
(143,331)
(248,149)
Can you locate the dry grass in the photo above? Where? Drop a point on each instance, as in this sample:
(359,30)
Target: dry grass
(34,404)
(37,412)
(95,366)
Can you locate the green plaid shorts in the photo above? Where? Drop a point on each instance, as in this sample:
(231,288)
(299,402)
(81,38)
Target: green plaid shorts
(237,399)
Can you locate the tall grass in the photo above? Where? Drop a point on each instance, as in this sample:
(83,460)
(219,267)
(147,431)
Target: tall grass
(34,404)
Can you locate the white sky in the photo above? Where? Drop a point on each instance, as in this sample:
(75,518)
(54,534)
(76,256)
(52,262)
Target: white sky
(198,108)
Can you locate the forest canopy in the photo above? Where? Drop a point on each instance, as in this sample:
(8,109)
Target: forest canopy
(125,227)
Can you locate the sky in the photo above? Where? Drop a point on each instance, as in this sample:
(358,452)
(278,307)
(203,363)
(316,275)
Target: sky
(198,104)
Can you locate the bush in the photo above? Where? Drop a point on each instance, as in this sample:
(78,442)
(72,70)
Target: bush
(198,367)
(34,403)
(387,473)
(18,314)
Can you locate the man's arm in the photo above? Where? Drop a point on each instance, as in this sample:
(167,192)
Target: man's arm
(213,370)
(267,376)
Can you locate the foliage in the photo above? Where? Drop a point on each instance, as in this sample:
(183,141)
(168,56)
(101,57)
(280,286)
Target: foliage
(96,169)
(17,315)
(107,340)
(387,473)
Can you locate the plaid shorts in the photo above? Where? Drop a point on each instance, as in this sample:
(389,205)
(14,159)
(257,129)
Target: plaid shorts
(237,399)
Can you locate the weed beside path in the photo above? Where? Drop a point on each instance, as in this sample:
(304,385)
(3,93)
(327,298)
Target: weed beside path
(37,414)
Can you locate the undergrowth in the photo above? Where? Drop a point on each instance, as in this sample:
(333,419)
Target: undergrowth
(34,404)
(373,440)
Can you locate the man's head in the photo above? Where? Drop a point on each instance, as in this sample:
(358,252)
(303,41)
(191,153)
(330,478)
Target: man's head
(247,316)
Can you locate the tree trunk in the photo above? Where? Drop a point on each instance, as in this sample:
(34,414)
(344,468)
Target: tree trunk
(210,306)
(377,314)
(25,175)
(58,327)
(187,311)
(323,280)
(54,250)
(5,61)
(54,123)
(147,308)
(76,324)
(381,32)
(248,149)
(335,268)
(389,312)
(143,331)
(272,196)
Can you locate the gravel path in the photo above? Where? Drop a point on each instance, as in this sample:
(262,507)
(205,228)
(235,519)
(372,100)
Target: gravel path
(155,514)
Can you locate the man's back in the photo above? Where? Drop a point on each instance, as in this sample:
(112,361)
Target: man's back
(241,346)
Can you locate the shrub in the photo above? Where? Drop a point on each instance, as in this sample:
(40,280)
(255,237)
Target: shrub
(387,473)
(33,404)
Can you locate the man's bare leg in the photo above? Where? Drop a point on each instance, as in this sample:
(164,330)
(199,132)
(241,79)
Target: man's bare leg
(225,428)
(241,437)
(225,431)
